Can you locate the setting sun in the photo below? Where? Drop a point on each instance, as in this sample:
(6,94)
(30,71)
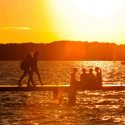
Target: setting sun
(98,8)
(89,19)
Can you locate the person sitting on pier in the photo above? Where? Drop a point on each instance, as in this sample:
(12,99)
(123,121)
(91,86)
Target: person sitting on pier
(98,76)
(74,82)
(84,78)
(26,67)
(91,79)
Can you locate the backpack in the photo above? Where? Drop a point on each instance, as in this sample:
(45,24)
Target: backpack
(23,64)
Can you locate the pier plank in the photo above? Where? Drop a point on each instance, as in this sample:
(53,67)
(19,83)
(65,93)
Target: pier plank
(55,87)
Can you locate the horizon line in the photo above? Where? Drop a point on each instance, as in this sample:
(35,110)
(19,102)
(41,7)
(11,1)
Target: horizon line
(27,42)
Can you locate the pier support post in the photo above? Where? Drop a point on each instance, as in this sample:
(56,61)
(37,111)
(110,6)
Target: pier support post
(58,96)
(72,96)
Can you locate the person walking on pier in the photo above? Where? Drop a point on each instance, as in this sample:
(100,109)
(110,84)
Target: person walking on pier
(26,67)
(34,66)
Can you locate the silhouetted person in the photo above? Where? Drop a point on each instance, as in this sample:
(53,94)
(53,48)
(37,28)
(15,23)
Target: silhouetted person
(34,67)
(73,84)
(91,78)
(73,77)
(26,67)
(98,76)
(84,78)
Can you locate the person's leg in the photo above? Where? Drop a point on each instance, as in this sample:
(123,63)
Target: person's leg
(24,74)
(30,79)
(38,74)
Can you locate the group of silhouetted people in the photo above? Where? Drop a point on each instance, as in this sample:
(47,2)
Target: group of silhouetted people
(29,67)
(87,79)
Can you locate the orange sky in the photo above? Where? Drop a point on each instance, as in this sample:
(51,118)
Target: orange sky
(50,20)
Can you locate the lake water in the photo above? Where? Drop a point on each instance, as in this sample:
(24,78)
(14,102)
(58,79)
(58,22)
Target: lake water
(35,108)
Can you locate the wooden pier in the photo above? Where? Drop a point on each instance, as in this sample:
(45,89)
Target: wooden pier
(37,88)
(55,87)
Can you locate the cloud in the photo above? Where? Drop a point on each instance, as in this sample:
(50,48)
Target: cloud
(18,28)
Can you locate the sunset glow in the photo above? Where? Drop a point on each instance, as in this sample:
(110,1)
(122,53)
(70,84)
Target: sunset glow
(93,20)
(52,20)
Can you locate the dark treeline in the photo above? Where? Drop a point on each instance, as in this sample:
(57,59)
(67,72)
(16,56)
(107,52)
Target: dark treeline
(64,50)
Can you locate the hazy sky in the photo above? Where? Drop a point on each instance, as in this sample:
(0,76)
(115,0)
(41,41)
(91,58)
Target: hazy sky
(50,20)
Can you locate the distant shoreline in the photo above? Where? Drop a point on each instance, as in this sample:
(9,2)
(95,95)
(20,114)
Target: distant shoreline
(64,51)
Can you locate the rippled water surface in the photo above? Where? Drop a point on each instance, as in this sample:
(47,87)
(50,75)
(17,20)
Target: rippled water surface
(36,108)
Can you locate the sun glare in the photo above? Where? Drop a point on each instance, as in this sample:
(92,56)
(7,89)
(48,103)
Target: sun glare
(100,20)
(98,8)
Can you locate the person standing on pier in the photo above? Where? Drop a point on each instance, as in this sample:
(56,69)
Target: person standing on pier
(98,76)
(34,66)
(73,84)
(91,79)
(73,77)
(84,78)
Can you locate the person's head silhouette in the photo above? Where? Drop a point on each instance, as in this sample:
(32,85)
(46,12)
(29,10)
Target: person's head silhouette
(83,70)
(74,70)
(36,53)
(90,70)
(97,69)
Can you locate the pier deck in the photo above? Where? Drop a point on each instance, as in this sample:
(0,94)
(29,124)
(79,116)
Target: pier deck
(55,87)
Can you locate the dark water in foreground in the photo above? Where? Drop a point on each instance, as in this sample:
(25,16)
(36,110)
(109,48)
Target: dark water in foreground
(35,108)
